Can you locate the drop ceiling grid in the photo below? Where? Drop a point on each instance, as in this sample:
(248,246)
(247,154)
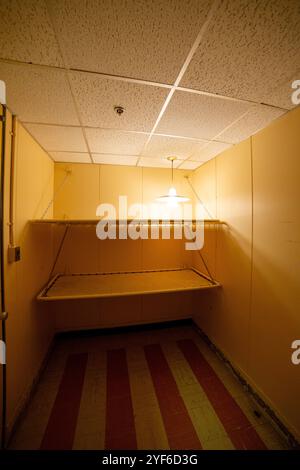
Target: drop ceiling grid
(184,67)
(145,35)
(205,155)
(67,73)
(250,48)
(79,118)
(56,64)
(96,97)
(21,44)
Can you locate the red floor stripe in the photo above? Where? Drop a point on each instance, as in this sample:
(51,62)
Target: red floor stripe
(61,426)
(120,427)
(179,427)
(235,422)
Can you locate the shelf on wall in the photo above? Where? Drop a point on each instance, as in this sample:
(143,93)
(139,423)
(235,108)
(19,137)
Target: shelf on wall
(105,285)
(120,221)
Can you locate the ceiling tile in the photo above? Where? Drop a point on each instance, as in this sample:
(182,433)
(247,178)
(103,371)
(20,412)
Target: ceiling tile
(163,146)
(257,118)
(115,159)
(115,142)
(38,94)
(250,48)
(96,97)
(56,138)
(189,165)
(157,162)
(282,94)
(210,151)
(71,157)
(199,116)
(27,34)
(148,40)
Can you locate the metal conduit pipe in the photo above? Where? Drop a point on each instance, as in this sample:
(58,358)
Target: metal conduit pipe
(3,314)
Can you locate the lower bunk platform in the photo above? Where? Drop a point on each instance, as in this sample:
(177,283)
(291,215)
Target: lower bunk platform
(101,285)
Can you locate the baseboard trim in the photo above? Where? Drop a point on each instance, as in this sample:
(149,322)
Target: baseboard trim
(270,413)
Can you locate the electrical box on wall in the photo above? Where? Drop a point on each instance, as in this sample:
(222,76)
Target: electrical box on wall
(14,254)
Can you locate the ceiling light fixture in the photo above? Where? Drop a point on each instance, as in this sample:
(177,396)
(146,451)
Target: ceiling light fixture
(172,197)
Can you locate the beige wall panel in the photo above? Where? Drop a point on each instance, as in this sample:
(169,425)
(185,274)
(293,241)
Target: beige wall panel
(120,255)
(76,314)
(83,252)
(115,312)
(163,254)
(275,319)
(33,182)
(29,328)
(78,197)
(89,184)
(118,181)
(164,307)
(227,192)
(139,184)
(258,342)
(208,251)
(233,260)
(120,311)
(59,262)
(80,249)
(204,183)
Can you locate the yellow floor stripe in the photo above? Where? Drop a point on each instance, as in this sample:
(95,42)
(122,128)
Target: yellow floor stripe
(265,429)
(207,424)
(90,429)
(150,431)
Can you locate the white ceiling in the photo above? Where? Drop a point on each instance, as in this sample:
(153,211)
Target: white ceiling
(193,76)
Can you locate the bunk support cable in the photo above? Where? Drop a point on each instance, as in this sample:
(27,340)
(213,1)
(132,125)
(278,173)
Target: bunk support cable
(60,247)
(212,220)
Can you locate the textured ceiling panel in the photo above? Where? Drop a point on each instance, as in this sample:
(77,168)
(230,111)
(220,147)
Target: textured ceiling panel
(162,146)
(141,39)
(257,118)
(189,165)
(96,97)
(26,33)
(210,151)
(55,138)
(251,48)
(157,162)
(72,157)
(38,94)
(199,116)
(115,142)
(282,95)
(115,159)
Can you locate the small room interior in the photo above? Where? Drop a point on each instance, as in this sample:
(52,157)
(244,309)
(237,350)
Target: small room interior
(141,343)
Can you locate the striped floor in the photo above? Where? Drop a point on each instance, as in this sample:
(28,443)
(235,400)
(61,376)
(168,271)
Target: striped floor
(155,389)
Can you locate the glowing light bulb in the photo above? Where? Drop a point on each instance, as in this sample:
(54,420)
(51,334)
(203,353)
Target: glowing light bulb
(172,192)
